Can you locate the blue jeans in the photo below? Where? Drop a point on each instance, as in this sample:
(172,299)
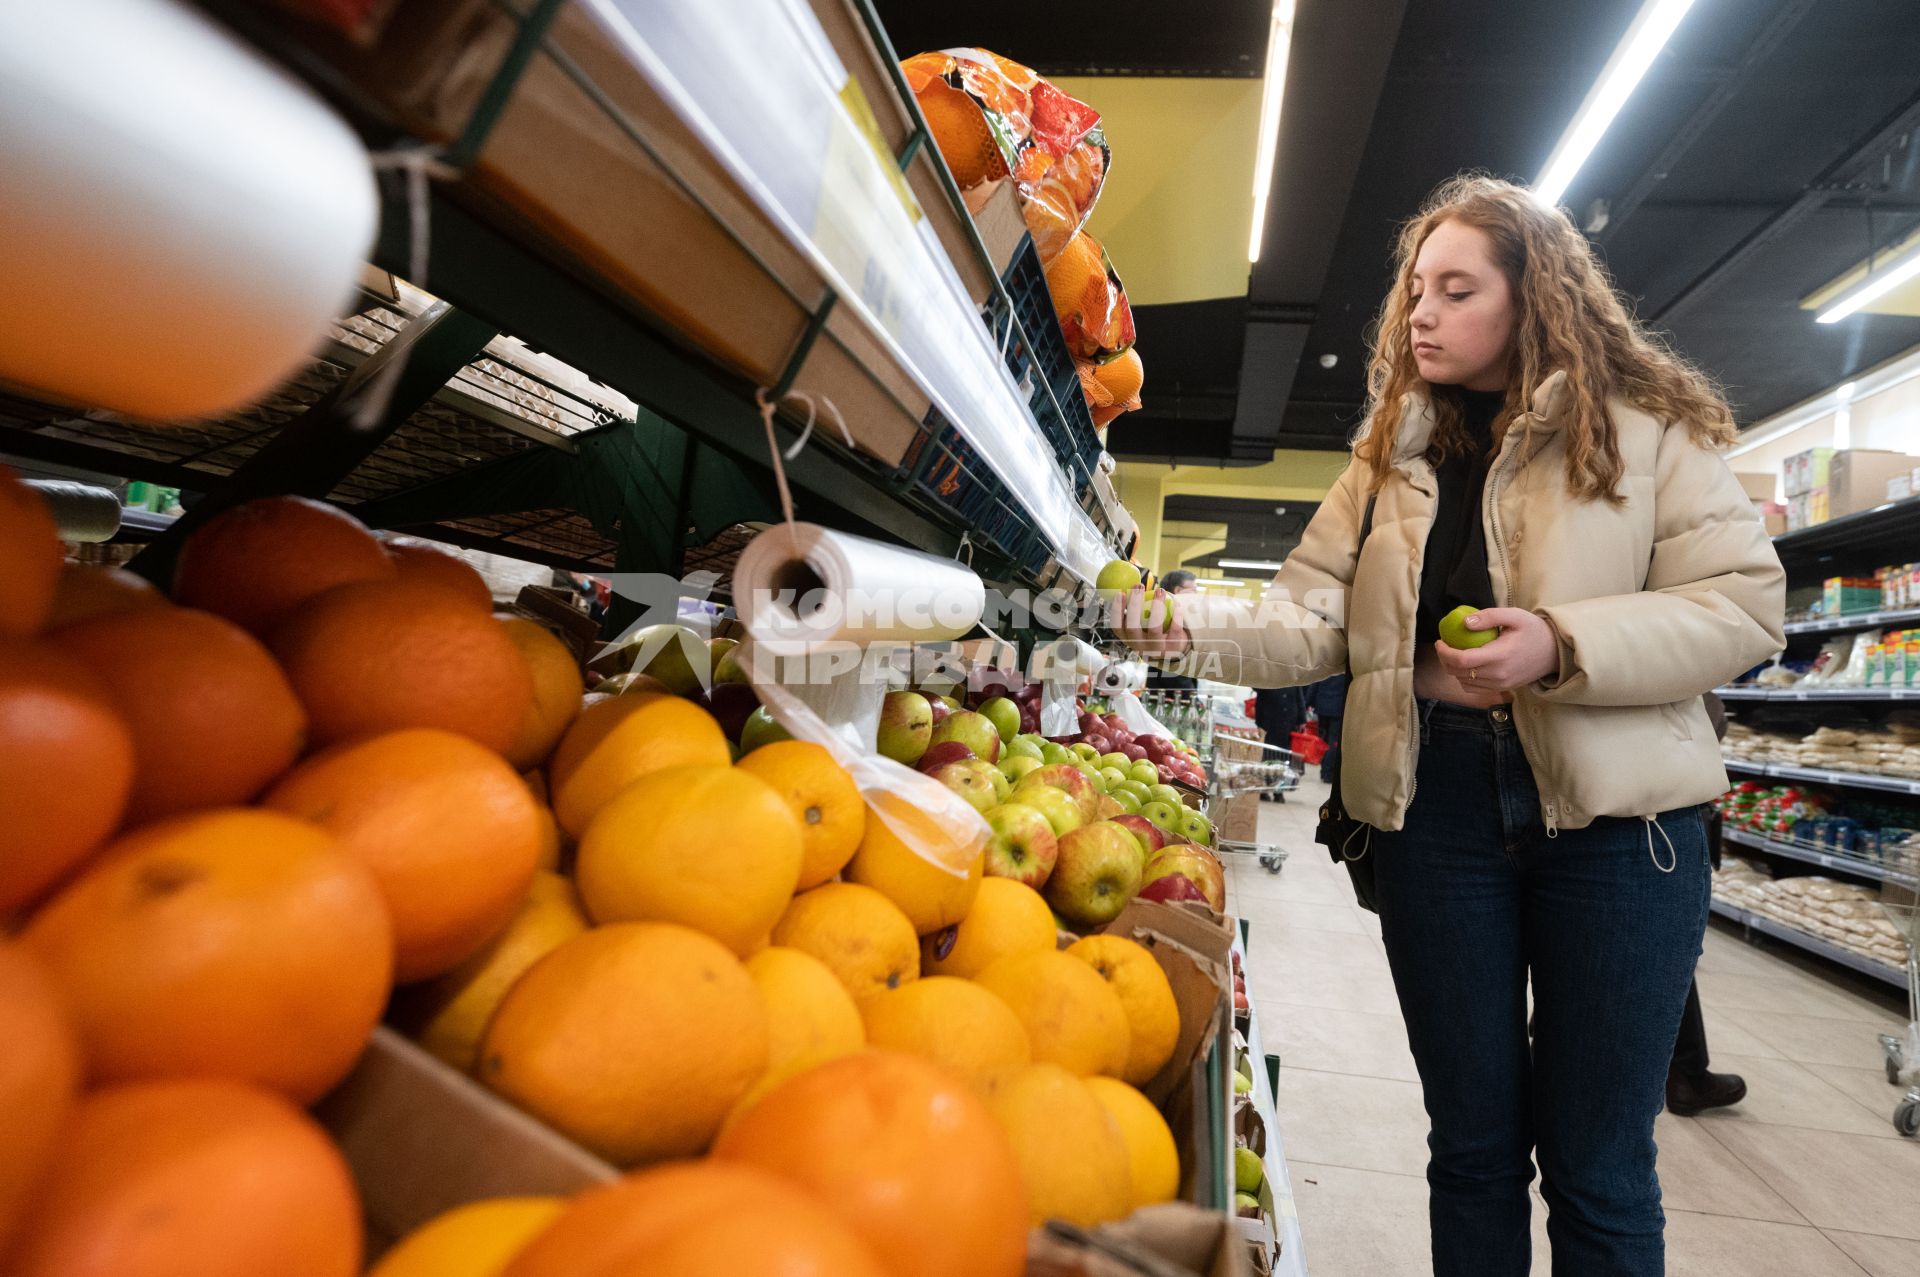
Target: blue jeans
(1607,921)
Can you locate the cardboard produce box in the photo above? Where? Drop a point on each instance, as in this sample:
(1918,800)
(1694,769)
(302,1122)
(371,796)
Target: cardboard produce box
(1759,485)
(1857,479)
(1170,1240)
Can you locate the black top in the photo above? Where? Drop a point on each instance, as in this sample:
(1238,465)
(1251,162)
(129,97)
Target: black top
(1455,569)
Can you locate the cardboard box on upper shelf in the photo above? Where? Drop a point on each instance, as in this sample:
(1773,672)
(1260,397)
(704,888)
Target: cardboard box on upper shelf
(1857,479)
(1759,485)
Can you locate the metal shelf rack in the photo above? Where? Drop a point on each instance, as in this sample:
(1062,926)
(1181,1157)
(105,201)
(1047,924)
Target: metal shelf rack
(1815,856)
(1807,940)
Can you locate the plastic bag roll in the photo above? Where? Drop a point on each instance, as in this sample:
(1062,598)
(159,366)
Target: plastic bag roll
(83,511)
(802,584)
(179,220)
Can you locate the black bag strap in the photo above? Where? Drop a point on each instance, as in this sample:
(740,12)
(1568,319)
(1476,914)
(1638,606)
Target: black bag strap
(1366,530)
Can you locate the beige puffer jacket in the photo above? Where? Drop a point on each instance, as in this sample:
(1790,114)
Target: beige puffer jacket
(1656,600)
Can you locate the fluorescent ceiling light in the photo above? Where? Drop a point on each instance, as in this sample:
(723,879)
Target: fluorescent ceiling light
(1651,29)
(1219,583)
(1251,565)
(1874,286)
(1273,89)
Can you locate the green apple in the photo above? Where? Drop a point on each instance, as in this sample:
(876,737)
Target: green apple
(1052,754)
(1144,772)
(726,661)
(1001,782)
(968,778)
(1117,577)
(1165,794)
(1004,715)
(1195,827)
(1022,846)
(1083,751)
(1069,780)
(1164,815)
(1134,787)
(1112,776)
(1454,631)
(1096,778)
(1062,812)
(1096,873)
(1248,1173)
(1242,1085)
(1016,768)
(1246,1205)
(1119,762)
(761,730)
(1128,802)
(906,727)
(1021,747)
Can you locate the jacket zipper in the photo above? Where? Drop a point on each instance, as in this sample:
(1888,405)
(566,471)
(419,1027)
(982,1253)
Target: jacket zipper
(1413,704)
(1490,499)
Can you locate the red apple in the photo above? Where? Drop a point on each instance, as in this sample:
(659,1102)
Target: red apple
(1096,874)
(1068,779)
(1099,741)
(938,709)
(975,731)
(906,725)
(1149,835)
(1022,846)
(1133,750)
(938,756)
(1185,861)
(1240,1000)
(731,705)
(1174,887)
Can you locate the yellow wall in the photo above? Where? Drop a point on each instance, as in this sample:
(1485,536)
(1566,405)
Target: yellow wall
(1177,204)
(1292,475)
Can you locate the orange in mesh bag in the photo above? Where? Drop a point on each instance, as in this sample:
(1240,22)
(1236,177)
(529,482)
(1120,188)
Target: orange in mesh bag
(992,117)
(1092,307)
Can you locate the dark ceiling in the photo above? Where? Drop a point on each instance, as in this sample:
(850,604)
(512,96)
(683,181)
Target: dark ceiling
(1766,150)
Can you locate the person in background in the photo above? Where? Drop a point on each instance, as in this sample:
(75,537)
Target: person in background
(1692,1087)
(1279,712)
(1179,581)
(1328,700)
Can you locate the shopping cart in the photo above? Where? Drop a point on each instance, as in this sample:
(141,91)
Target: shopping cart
(1242,769)
(1903,1053)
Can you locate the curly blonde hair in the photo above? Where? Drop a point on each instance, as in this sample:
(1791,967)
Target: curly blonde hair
(1568,318)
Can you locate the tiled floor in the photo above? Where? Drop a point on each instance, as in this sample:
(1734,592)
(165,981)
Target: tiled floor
(1806,1178)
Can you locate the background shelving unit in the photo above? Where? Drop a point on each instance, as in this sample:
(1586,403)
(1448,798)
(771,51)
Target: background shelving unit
(1855,544)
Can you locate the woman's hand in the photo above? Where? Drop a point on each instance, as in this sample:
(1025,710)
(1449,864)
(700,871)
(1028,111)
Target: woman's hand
(1137,620)
(1527,651)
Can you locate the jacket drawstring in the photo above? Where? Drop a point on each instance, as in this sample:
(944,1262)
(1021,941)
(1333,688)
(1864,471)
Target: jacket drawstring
(1364,846)
(1673,853)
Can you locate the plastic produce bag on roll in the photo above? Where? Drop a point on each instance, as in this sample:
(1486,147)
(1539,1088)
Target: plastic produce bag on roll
(1060,668)
(822,609)
(183,220)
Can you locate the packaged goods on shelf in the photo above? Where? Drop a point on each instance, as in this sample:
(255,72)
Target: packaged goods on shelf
(1841,595)
(1841,913)
(1805,471)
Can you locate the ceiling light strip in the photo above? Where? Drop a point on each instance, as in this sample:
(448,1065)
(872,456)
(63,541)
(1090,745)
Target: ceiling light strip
(1874,286)
(1652,27)
(1251,565)
(1273,89)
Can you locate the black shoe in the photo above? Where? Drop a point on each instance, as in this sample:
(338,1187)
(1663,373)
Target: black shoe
(1688,1094)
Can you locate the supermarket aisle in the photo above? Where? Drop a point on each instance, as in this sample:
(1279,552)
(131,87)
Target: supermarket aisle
(1805,1178)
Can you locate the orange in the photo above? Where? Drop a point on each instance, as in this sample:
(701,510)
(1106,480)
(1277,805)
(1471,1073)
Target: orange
(954,1023)
(1151,1153)
(1153,1016)
(1007,917)
(904,1153)
(614,743)
(382,655)
(1076,272)
(712,848)
(549,858)
(557,689)
(39,1076)
(256,563)
(823,797)
(88,590)
(811,1018)
(1073,1018)
(450,832)
(213,718)
(430,563)
(931,895)
(696,1219)
(1122,377)
(861,935)
(30,557)
(1073,1159)
(960,131)
(233,944)
(450,1014)
(67,763)
(476,1240)
(198,1175)
(635,1039)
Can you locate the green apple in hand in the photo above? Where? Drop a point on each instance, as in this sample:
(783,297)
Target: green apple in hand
(1454,631)
(1117,577)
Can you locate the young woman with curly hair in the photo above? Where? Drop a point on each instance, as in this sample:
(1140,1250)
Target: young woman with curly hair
(1534,806)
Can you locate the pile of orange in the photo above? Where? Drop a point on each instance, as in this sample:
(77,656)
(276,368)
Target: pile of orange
(322,768)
